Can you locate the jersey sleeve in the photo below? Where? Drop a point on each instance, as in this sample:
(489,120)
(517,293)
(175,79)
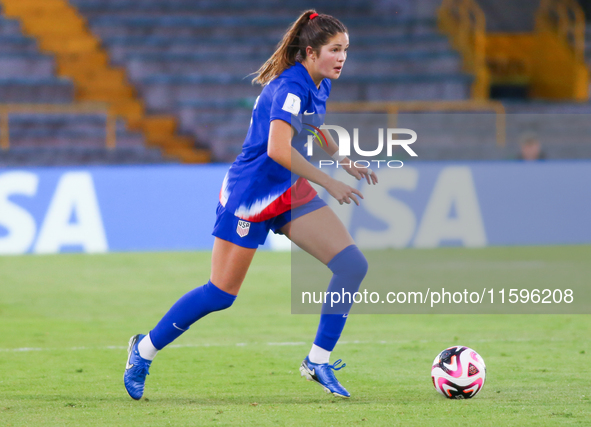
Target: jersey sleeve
(288,102)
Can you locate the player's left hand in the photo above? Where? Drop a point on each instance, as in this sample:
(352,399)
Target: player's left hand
(360,172)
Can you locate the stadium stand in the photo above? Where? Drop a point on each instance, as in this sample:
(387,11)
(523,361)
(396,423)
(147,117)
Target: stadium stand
(28,76)
(513,32)
(75,55)
(187,64)
(25,74)
(509,16)
(193,58)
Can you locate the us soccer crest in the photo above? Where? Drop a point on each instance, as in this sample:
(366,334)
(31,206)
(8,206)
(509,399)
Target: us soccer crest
(243,228)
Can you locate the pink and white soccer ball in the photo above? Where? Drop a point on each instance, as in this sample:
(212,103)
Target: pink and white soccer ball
(458,373)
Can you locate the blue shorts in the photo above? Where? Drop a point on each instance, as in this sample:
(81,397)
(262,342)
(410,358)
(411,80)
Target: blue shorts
(252,234)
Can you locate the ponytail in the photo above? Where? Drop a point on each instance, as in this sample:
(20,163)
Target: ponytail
(310,29)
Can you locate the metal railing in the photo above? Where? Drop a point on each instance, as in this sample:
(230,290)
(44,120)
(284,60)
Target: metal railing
(464,22)
(566,19)
(394,108)
(83,109)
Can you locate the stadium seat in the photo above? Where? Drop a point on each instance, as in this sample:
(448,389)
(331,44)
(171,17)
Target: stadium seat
(72,155)
(30,64)
(36,90)
(17,44)
(63,130)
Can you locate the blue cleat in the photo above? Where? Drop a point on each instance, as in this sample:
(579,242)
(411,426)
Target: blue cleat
(323,374)
(136,369)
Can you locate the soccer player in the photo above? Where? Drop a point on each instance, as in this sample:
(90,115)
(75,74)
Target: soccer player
(267,188)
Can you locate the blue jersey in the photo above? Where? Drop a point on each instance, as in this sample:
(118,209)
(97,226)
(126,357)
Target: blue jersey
(255,187)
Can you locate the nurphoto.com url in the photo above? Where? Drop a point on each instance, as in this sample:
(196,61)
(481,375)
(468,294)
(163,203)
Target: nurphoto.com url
(436,297)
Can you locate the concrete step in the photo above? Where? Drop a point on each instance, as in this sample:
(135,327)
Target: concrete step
(45,90)
(356,65)
(94,8)
(78,156)
(32,65)
(154,49)
(163,95)
(70,138)
(17,44)
(183,26)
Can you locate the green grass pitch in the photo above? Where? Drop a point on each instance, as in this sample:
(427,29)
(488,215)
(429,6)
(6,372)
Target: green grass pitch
(65,322)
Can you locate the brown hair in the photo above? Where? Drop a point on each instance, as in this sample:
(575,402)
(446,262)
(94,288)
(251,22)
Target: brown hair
(303,32)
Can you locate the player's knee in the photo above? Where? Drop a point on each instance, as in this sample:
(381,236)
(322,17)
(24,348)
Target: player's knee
(222,304)
(350,262)
(217,298)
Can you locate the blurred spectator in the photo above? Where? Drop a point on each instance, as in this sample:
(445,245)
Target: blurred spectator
(530,148)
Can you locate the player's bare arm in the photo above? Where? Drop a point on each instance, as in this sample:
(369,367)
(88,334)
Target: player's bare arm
(280,150)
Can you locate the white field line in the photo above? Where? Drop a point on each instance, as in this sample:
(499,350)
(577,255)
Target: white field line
(256,344)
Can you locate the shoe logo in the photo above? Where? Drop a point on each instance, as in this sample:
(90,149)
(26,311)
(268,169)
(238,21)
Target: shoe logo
(346,315)
(174,324)
(307,114)
(313,375)
(128,366)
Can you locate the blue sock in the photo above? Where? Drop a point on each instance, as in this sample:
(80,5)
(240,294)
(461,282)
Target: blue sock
(190,308)
(349,267)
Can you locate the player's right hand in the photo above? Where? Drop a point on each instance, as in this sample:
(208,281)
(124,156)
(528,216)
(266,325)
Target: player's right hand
(342,192)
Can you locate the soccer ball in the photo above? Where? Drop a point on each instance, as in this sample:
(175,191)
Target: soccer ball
(458,373)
